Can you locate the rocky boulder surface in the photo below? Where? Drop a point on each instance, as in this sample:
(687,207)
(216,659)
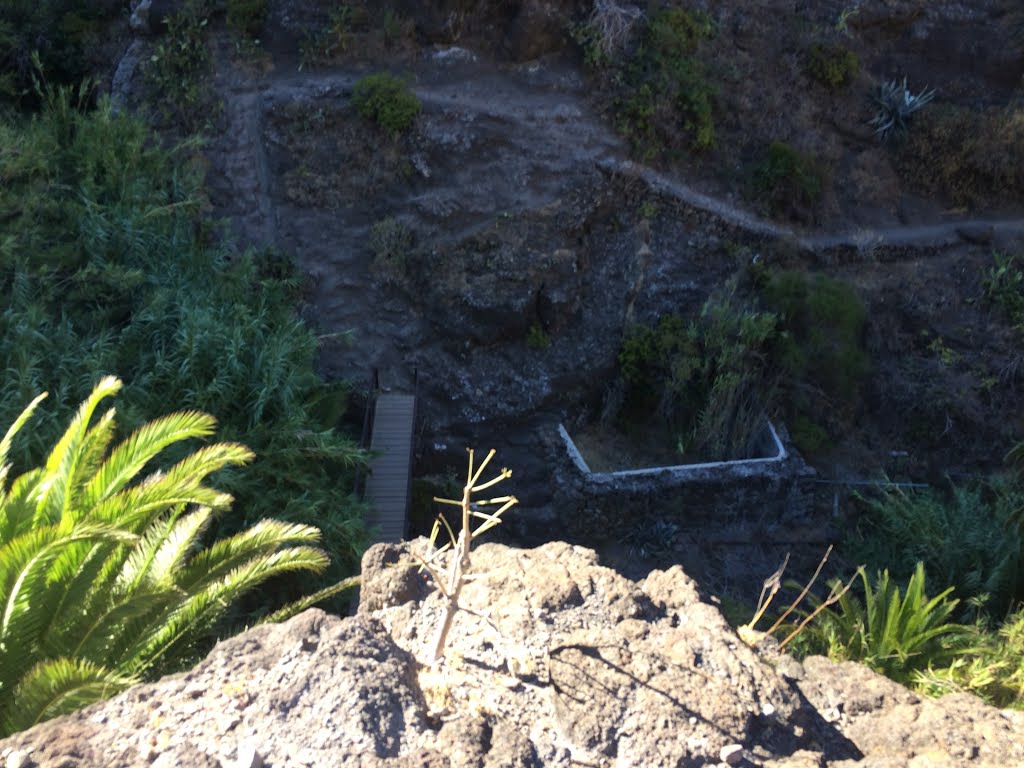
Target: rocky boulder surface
(558,661)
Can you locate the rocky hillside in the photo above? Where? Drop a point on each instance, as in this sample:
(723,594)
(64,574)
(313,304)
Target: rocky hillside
(565,663)
(499,250)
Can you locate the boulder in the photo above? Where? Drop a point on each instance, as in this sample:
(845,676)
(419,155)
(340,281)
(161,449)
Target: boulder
(557,661)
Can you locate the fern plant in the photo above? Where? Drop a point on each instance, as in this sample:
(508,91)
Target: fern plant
(104,580)
(893,633)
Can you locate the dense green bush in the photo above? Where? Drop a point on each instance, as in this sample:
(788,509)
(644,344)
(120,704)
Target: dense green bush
(969,539)
(834,66)
(666,99)
(819,351)
(789,182)
(64,34)
(386,100)
(708,380)
(102,269)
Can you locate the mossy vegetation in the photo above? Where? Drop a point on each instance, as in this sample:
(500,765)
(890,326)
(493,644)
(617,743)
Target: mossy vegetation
(788,182)
(386,100)
(247,16)
(665,103)
(834,66)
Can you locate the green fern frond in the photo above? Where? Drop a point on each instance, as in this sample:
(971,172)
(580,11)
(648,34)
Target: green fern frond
(132,455)
(298,606)
(62,464)
(55,687)
(226,555)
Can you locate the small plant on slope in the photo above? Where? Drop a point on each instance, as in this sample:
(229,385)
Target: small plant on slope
(894,106)
(387,101)
(450,580)
(104,582)
(893,634)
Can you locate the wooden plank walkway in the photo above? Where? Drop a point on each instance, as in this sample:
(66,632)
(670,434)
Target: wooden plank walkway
(387,488)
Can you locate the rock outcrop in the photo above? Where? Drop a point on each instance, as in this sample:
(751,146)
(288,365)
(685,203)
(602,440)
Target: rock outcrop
(561,662)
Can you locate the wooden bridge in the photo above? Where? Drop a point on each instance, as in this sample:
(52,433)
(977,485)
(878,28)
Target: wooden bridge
(387,488)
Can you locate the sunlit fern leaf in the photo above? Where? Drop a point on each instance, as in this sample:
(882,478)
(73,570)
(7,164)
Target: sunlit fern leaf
(58,686)
(206,604)
(226,555)
(131,456)
(62,463)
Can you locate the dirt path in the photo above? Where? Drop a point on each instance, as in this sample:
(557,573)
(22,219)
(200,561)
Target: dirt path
(548,107)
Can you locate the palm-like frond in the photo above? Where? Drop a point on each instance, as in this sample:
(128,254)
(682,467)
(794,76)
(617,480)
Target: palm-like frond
(226,555)
(63,462)
(129,458)
(102,577)
(204,607)
(57,686)
(298,606)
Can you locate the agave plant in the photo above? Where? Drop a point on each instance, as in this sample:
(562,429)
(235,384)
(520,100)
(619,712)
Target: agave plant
(893,634)
(104,580)
(894,105)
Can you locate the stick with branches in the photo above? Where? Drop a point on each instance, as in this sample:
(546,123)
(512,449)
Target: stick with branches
(451,580)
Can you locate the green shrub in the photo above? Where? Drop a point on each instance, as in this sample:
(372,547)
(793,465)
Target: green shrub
(819,352)
(537,337)
(789,182)
(247,16)
(65,35)
(102,268)
(824,322)
(386,100)
(834,66)
(105,580)
(666,102)
(990,664)
(1004,288)
(707,380)
(896,635)
(177,73)
(968,539)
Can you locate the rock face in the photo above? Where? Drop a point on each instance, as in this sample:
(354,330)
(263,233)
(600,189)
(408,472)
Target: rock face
(565,662)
